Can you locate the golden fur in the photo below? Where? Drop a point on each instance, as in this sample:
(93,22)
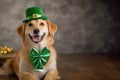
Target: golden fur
(20,64)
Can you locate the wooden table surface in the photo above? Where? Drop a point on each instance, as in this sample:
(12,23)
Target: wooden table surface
(84,67)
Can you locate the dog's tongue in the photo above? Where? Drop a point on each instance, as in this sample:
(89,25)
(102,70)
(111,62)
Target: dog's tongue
(36,39)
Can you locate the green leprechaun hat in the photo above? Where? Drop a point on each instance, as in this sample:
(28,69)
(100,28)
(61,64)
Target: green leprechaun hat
(34,13)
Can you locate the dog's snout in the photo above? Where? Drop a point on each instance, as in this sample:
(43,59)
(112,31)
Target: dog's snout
(36,31)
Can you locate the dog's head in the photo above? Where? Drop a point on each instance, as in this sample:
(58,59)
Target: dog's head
(37,32)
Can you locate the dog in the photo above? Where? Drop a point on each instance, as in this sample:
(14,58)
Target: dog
(34,34)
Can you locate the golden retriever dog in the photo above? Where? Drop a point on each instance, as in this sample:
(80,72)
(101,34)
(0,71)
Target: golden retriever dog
(34,34)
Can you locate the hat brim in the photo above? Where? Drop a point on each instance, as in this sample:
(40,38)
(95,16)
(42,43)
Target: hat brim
(43,17)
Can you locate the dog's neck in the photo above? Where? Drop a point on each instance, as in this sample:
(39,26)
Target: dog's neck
(38,46)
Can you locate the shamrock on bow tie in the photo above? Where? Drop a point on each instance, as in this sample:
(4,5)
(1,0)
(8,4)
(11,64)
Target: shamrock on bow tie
(39,58)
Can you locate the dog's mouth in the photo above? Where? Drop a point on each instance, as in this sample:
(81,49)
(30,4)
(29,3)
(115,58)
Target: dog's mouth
(36,38)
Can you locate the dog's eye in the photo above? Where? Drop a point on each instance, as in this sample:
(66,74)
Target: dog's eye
(30,24)
(41,24)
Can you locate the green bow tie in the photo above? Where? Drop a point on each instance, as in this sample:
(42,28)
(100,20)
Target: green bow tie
(39,58)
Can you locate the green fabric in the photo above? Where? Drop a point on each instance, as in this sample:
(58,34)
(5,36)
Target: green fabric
(33,13)
(39,58)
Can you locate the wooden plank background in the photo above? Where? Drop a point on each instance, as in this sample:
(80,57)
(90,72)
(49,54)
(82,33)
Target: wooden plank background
(84,67)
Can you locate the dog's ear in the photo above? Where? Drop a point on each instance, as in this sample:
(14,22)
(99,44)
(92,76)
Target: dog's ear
(52,28)
(21,30)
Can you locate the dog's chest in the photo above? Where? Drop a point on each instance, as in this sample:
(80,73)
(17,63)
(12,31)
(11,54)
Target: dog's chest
(25,66)
(39,74)
(47,68)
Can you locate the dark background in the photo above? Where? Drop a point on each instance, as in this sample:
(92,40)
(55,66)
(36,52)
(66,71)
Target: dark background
(84,26)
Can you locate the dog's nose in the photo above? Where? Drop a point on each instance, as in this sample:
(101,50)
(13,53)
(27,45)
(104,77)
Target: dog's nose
(36,31)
